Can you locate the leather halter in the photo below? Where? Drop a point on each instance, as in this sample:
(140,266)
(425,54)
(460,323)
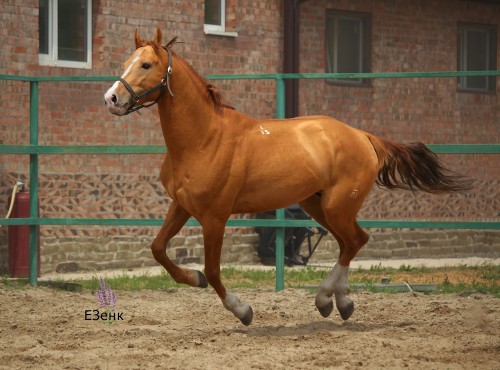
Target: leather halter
(136,97)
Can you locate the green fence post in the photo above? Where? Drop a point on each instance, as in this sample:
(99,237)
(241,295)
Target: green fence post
(280,213)
(280,252)
(33,236)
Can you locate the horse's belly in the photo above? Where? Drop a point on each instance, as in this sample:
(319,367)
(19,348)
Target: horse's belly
(272,195)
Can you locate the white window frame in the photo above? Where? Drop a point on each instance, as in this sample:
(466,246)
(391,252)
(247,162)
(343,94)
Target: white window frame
(51,59)
(219,29)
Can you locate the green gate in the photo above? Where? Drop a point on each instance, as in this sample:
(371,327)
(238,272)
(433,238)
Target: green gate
(34,150)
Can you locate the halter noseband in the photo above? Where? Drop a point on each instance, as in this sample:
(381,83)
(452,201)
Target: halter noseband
(164,82)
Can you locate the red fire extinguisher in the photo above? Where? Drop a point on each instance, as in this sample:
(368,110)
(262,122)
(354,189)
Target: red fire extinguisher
(19,235)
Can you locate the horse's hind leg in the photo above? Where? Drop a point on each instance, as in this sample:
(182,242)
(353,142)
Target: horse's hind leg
(340,206)
(175,219)
(312,206)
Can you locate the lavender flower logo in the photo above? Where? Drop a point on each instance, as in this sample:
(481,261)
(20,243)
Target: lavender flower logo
(107,305)
(106,296)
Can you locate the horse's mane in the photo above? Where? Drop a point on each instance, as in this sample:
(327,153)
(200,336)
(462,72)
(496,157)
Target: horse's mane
(213,93)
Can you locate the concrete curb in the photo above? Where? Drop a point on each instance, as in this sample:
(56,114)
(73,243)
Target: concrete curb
(361,264)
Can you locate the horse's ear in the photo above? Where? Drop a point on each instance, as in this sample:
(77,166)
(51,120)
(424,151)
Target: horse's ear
(158,37)
(138,41)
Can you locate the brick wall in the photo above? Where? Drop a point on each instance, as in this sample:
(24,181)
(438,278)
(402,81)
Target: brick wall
(407,36)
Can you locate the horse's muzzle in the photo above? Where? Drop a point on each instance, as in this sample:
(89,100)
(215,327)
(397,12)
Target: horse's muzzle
(115,104)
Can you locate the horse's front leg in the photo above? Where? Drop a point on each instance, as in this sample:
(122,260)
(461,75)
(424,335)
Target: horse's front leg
(174,221)
(213,234)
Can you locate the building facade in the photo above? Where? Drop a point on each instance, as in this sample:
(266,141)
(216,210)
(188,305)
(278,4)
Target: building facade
(94,37)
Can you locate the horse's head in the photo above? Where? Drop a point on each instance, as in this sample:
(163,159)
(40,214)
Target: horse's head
(145,77)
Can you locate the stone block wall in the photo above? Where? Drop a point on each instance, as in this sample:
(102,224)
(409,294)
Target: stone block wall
(70,254)
(424,243)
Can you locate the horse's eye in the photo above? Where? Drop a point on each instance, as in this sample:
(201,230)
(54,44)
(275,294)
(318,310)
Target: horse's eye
(146,65)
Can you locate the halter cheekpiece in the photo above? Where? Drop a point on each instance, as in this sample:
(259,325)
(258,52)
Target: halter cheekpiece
(164,82)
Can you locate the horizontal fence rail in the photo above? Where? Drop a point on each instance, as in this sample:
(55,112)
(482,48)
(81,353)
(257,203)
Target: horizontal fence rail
(161,149)
(389,224)
(280,223)
(269,76)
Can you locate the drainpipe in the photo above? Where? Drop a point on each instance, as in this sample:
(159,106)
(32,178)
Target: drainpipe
(291,55)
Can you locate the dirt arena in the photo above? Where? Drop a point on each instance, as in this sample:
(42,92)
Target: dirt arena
(44,328)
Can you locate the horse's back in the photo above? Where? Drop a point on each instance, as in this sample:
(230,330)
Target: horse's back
(324,134)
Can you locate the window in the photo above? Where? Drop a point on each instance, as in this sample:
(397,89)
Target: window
(215,18)
(65,36)
(476,52)
(214,14)
(348,44)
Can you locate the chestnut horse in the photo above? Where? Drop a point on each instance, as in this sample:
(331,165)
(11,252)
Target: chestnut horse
(220,162)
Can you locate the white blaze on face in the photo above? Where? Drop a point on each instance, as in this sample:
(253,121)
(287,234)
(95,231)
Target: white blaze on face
(130,66)
(111,90)
(112,103)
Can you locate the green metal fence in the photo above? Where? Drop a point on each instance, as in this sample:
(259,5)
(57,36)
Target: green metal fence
(34,150)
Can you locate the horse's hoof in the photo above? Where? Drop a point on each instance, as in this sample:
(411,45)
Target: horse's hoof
(247,319)
(346,311)
(202,280)
(326,310)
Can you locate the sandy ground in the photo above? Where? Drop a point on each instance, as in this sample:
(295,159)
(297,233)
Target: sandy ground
(43,328)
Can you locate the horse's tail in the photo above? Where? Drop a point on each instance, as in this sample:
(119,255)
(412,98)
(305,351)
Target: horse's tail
(414,167)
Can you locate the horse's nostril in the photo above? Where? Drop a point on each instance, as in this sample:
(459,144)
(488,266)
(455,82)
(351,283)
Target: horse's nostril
(114,99)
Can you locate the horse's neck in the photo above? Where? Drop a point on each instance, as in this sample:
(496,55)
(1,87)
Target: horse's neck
(187,117)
